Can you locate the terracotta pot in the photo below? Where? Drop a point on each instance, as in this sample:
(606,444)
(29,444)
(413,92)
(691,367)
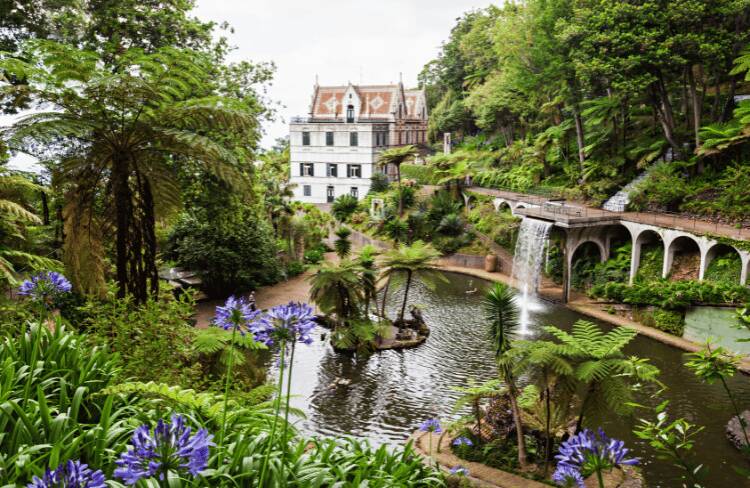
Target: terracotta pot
(490,263)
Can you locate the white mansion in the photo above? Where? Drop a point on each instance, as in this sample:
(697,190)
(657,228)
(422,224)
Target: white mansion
(334,151)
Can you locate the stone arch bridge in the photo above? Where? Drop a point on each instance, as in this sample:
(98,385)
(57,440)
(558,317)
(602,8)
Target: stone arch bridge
(599,229)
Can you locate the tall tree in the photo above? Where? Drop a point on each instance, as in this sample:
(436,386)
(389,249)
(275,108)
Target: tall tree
(338,290)
(416,259)
(607,377)
(120,131)
(502,315)
(397,156)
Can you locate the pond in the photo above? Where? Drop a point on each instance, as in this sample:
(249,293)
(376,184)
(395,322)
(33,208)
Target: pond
(385,396)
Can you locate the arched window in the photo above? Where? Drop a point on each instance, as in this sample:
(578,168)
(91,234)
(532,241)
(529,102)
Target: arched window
(350,114)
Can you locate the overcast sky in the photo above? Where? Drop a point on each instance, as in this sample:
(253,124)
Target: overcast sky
(339,40)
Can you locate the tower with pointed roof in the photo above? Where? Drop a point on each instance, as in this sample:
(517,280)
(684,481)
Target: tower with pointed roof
(334,150)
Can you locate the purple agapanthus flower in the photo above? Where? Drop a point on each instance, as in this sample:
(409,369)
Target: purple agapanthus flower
(236,314)
(169,448)
(286,324)
(45,287)
(459,471)
(568,476)
(462,441)
(588,451)
(588,447)
(431,425)
(72,474)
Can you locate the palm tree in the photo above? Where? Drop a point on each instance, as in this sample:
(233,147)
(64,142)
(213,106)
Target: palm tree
(502,315)
(397,156)
(417,259)
(119,131)
(369,276)
(343,245)
(337,290)
(606,375)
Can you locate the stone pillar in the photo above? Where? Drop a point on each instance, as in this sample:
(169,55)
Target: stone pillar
(668,259)
(745,259)
(704,264)
(566,275)
(635,259)
(607,246)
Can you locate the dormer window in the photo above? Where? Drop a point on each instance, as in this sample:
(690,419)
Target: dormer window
(350,114)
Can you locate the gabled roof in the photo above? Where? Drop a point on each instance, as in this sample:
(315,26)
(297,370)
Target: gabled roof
(370,102)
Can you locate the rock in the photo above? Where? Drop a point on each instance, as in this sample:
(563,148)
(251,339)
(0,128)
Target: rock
(734,430)
(340,382)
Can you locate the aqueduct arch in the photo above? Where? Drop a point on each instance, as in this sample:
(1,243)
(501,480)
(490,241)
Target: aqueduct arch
(680,246)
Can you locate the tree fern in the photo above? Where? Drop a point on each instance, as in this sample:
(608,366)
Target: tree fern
(607,377)
(116,135)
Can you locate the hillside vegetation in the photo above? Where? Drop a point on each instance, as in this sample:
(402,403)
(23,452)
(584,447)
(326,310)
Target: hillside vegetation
(578,97)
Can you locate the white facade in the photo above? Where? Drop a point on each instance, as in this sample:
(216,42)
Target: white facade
(354,165)
(334,151)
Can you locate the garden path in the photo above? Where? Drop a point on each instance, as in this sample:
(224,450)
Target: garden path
(296,289)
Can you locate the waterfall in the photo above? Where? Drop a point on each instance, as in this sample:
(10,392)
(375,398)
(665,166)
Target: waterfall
(527,264)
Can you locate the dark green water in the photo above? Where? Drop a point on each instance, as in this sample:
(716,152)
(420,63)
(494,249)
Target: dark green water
(385,396)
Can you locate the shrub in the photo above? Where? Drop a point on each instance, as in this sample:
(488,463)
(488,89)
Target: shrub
(409,195)
(671,321)
(294,268)
(342,245)
(451,244)
(231,254)
(501,227)
(650,266)
(672,295)
(314,256)
(396,229)
(663,188)
(451,225)
(154,339)
(725,268)
(68,407)
(343,207)
(422,174)
(614,269)
(379,182)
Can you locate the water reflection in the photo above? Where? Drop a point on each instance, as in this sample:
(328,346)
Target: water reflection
(385,396)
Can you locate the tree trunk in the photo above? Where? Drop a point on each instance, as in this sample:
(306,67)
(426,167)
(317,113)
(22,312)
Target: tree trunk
(547,433)
(580,140)
(625,121)
(579,422)
(400,195)
(697,115)
(385,296)
(697,107)
(664,114)
(580,136)
(727,113)
(149,231)
(45,208)
(513,396)
(406,295)
(122,195)
(717,98)
(685,96)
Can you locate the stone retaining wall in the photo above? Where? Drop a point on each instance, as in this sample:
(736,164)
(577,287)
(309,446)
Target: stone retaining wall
(463,260)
